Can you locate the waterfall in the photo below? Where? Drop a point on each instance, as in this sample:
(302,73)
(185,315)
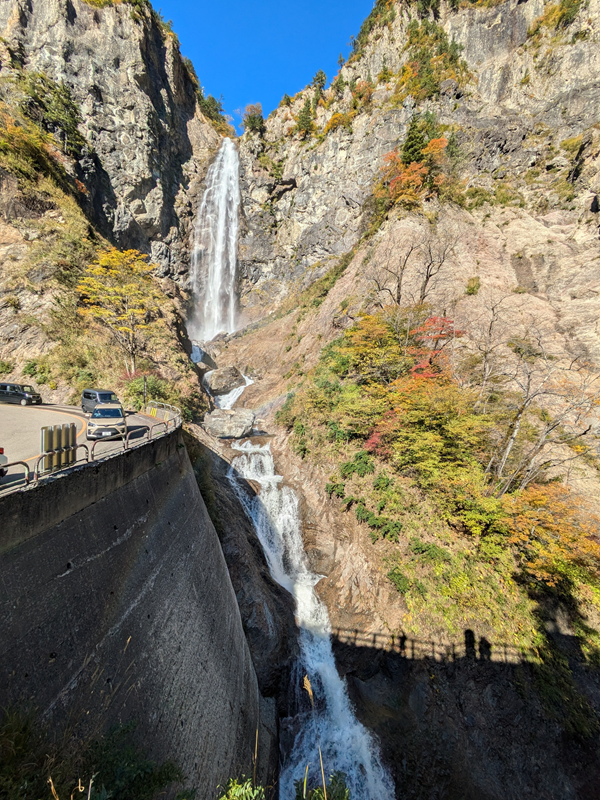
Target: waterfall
(214,258)
(345,744)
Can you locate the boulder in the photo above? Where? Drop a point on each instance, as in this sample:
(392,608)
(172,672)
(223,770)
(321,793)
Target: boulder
(224,380)
(224,423)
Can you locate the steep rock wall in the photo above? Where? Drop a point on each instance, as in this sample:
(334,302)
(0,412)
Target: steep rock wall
(148,142)
(117,605)
(307,201)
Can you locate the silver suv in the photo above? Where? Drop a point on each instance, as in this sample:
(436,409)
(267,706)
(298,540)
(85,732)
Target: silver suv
(94,397)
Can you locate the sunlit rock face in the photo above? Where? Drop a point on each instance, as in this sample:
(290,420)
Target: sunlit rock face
(308,201)
(148,143)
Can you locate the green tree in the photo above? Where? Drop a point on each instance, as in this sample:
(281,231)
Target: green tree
(305,119)
(253,119)
(339,85)
(341,61)
(319,81)
(385,75)
(412,149)
(118,291)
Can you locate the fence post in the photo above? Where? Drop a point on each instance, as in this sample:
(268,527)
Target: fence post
(72,443)
(47,441)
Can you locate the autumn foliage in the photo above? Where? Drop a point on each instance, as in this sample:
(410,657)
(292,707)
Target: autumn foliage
(556,538)
(119,293)
(409,184)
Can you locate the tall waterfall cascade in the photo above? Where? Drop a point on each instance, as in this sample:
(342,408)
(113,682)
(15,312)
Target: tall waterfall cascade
(214,259)
(345,743)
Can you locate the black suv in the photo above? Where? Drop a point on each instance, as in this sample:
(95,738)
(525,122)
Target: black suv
(19,393)
(95,397)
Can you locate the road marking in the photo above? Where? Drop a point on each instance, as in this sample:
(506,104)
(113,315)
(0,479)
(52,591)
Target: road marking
(64,414)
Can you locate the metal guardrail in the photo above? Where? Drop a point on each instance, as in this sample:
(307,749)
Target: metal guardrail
(172,421)
(27,478)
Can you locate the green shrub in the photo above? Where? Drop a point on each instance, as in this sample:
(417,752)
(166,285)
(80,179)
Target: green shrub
(6,367)
(336,789)
(51,105)
(428,551)
(120,770)
(473,285)
(156,389)
(242,791)
(362,464)
(285,416)
(13,302)
(399,579)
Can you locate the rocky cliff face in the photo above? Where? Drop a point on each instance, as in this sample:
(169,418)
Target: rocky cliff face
(524,116)
(147,142)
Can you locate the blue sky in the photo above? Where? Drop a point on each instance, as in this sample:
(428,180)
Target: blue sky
(253,51)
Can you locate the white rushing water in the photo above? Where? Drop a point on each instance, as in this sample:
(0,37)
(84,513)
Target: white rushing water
(345,744)
(228,400)
(214,258)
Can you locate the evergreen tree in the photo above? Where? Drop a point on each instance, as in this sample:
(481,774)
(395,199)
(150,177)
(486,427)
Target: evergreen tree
(414,142)
(286,100)
(305,119)
(341,61)
(385,74)
(319,81)
(253,119)
(339,85)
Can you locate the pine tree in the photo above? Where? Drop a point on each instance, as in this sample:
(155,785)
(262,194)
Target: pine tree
(341,61)
(305,119)
(385,74)
(319,80)
(414,142)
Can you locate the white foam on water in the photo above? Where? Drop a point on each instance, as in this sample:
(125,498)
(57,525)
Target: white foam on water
(346,745)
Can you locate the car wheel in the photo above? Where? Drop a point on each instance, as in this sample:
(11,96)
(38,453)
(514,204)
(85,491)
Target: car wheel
(24,402)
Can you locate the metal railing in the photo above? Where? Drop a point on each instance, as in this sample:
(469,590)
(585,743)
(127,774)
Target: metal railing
(63,455)
(26,477)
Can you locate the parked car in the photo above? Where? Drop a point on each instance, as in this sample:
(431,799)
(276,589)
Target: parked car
(93,397)
(3,461)
(107,422)
(20,393)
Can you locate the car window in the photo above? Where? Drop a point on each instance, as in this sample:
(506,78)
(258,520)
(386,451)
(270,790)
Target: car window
(88,395)
(108,398)
(3,387)
(29,389)
(100,412)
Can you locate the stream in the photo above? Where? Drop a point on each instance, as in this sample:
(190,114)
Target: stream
(345,744)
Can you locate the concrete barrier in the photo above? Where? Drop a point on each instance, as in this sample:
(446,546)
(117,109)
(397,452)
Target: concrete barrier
(116,604)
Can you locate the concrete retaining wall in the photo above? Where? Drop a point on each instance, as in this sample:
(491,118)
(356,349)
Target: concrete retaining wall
(116,604)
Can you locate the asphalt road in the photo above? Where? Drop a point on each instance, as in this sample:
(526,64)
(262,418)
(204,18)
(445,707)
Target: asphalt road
(20,428)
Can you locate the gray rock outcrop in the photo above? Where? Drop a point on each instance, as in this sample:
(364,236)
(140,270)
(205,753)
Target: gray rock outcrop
(223,380)
(224,423)
(530,96)
(148,144)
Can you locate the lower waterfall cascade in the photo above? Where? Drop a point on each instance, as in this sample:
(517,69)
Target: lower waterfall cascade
(345,744)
